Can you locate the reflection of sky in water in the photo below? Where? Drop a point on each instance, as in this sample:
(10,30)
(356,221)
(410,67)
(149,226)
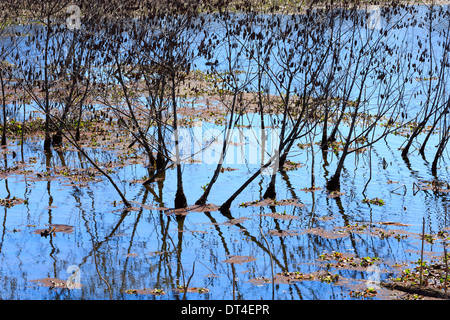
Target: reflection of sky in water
(207,237)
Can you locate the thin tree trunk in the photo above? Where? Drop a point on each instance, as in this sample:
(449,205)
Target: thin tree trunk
(160,157)
(438,154)
(142,138)
(180,198)
(72,141)
(270,192)
(47,139)
(413,136)
(4,109)
(225,207)
(203,198)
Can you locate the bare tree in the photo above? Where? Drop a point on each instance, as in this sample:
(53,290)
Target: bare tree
(229,74)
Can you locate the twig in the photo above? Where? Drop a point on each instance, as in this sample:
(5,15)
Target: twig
(68,135)
(370,173)
(271,265)
(446,269)
(185,284)
(404,193)
(234,282)
(212,272)
(99,274)
(190,277)
(421,251)
(158,172)
(415,185)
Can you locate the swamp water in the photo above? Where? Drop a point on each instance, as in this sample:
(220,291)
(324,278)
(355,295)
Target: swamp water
(150,251)
(135,254)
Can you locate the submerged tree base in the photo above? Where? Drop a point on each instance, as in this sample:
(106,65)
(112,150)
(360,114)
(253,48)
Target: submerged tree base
(180,200)
(270,192)
(333,184)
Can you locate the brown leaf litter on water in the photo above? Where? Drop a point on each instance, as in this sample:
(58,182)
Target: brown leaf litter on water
(56,283)
(391,223)
(362,289)
(271,202)
(291,165)
(426,253)
(204,208)
(145,291)
(432,185)
(279,215)
(295,276)
(193,208)
(223,169)
(193,231)
(372,230)
(181,289)
(284,233)
(239,259)
(159,292)
(137,206)
(335,194)
(311,189)
(150,207)
(235,221)
(156,253)
(344,260)
(324,233)
(345,231)
(432,273)
(53,228)
(132,255)
(10,202)
(281,279)
(126,209)
(328,234)
(14,170)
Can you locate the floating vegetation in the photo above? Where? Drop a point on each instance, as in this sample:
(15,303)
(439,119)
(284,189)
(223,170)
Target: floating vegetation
(182,289)
(347,261)
(285,278)
(367,293)
(291,165)
(284,233)
(377,201)
(236,259)
(329,277)
(326,233)
(54,283)
(53,229)
(335,194)
(271,202)
(184,211)
(311,189)
(426,79)
(434,275)
(280,215)
(295,276)
(10,202)
(146,291)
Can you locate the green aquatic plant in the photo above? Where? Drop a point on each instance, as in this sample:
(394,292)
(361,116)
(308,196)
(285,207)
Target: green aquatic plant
(376,201)
(329,278)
